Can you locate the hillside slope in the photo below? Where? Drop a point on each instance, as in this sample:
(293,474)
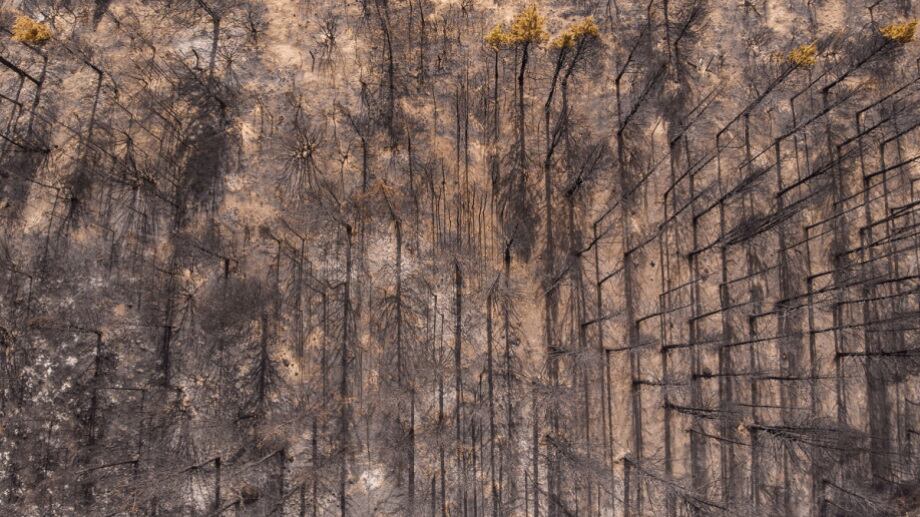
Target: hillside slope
(422,257)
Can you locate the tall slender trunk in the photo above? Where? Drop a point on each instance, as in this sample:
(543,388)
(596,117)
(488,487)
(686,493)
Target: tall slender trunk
(550,295)
(314,453)
(607,410)
(535,417)
(522,147)
(508,444)
(345,409)
(441,433)
(632,335)
(411,467)
(494,487)
(458,380)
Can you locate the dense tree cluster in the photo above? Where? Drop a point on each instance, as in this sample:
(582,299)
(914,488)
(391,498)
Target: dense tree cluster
(423,257)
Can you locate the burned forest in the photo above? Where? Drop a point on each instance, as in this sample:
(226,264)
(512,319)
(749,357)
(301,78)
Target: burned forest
(479,258)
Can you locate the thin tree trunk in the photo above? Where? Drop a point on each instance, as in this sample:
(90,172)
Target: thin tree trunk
(343,382)
(458,380)
(494,487)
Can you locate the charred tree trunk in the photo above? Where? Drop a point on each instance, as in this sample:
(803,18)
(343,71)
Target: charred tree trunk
(345,403)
